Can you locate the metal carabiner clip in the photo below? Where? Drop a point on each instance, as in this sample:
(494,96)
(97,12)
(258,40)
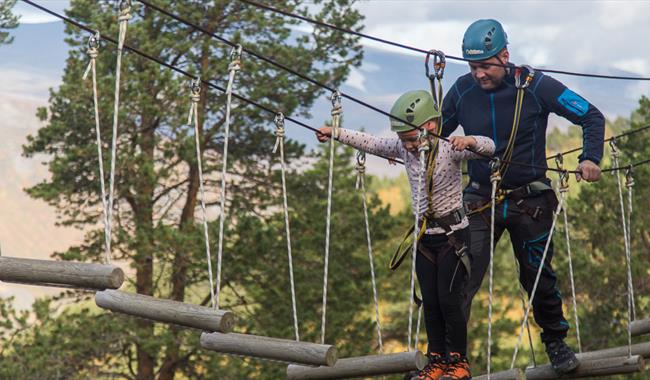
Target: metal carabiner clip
(439,63)
(361,158)
(530,74)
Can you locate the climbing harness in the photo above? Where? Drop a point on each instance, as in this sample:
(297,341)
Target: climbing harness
(233,68)
(279,143)
(361,170)
(336,123)
(563,189)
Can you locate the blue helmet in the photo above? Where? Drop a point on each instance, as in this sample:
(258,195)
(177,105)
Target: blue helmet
(483,39)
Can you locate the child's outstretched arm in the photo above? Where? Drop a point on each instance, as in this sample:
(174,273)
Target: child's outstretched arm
(363,141)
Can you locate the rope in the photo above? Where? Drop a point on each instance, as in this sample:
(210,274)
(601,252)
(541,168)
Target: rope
(93,52)
(233,67)
(417,328)
(629,183)
(361,170)
(279,143)
(193,117)
(539,274)
(423,149)
(336,120)
(495,178)
(630,132)
(411,48)
(563,190)
(615,154)
(523,306)
(123,20)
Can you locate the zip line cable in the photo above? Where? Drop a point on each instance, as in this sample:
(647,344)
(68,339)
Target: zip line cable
(269,110)
(418,50)
(627,133)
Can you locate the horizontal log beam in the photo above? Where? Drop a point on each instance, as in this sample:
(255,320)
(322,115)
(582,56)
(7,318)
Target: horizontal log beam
(642,349)
(64,274)
(167,311)
(363,366)
(510,374)
(590,368)
(263,347)
(640,327)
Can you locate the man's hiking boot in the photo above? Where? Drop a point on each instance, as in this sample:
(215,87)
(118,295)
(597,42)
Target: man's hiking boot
(435,368)
(457,368)
(562,358)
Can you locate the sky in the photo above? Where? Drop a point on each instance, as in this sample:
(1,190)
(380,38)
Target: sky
(605,37)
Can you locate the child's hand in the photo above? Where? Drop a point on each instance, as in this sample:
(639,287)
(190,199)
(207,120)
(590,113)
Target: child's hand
(459,143)
(324,133)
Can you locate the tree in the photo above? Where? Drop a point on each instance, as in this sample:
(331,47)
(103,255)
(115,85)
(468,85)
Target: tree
(157,178)
(7,20)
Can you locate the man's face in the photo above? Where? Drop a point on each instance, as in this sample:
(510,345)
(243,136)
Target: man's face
(488,76)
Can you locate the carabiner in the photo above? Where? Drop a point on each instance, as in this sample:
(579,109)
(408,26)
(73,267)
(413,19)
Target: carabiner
(195,86)
(361,158)
(529,76)
(336,99)
(93,41)
(439,63)
(559,160)
(629,178)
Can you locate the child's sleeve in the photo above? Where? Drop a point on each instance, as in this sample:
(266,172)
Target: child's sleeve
(384,146)
(484,145)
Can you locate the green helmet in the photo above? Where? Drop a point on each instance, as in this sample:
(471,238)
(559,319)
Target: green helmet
(416,107)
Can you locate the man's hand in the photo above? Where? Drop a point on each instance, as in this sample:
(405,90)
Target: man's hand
(459,143)
(589,171)
(324,133)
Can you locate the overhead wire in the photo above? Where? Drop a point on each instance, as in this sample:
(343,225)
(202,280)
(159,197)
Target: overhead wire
(418,50)
(271,111)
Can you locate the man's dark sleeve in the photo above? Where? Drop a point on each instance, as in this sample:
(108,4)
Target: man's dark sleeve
(449,115)
(559,99)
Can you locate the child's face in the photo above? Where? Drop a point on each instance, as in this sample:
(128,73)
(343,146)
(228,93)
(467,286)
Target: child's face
(411,139)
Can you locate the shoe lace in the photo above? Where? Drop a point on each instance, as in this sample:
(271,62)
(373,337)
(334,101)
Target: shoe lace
(456,363)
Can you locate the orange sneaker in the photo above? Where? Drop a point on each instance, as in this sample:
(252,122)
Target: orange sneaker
(457,368)
(435,368)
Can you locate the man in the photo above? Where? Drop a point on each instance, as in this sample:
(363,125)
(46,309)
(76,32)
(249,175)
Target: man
(483,102)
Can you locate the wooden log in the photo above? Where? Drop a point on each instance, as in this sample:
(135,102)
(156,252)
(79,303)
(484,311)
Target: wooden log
(640,327)
(65,274)
(268,348)
(167,311)
(509,374)
(590,368)
(363,366)
(642,349)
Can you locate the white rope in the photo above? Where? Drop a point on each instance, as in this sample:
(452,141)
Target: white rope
(615,164)
(417,327)
(193,117)
(361,185)
(93,52)
(563,190)
(279,143)
(629,183)
(495,178)
(539,274)
(123,19)
(423,148)
(336,119)
(233,67)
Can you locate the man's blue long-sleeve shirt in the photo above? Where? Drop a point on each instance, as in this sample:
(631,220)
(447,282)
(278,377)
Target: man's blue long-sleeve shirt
(490,113)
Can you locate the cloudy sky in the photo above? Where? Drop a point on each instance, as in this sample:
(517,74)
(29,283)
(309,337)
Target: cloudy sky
(605,37)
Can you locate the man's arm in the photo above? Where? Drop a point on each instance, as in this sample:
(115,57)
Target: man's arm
(561,100)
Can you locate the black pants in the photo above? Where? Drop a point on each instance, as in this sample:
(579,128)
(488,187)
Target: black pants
(442,297)
(528,237)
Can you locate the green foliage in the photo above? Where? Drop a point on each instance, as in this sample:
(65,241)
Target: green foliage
(7,20)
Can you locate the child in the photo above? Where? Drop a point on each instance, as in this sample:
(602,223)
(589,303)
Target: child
(440,271)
